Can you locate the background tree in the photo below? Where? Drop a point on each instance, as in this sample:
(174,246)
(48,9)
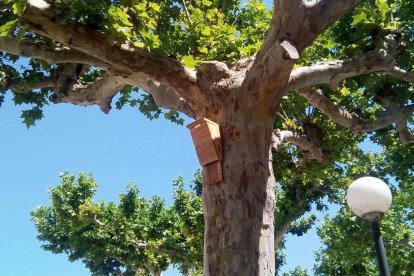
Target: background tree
(137,236)
(311,104)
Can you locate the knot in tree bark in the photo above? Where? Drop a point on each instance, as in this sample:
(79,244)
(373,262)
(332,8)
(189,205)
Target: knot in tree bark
(213,70)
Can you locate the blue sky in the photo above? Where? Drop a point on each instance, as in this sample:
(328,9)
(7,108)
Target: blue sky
(119,147)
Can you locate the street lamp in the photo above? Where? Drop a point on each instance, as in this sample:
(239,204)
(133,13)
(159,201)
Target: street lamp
(369,198)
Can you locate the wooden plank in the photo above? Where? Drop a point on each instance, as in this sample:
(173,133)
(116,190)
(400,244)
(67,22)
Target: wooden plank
(214,129)
(213,173)
(201,134)
(206,153)
(195,123)
(215,135)
(200,121)
(219,150)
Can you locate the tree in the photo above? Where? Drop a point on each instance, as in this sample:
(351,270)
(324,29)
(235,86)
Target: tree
(135,237)
(297,272)
(294,80)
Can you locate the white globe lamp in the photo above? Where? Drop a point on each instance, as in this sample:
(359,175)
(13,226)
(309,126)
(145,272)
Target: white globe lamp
(369,197)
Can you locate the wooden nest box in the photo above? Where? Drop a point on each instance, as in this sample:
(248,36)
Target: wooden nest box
(207,142)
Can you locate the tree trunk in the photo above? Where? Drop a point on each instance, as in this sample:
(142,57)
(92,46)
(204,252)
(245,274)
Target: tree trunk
(239,212)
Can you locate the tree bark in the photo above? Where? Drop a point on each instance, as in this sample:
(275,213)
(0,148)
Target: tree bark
(239,212)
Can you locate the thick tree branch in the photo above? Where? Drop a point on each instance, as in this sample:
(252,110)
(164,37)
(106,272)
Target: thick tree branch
(163,95)
(393,114)
(295,24)
(280,233)
(125,58)
(401,74)
(309,148)
(104,89)
(333,72)
(404,134)
(305,20)
(388,117)
(340,116)
(99,92)
(24,87)
(166,97)
(52,54)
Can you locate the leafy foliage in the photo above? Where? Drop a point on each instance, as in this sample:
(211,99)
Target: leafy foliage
(188,31)
(297,272)
(135,235)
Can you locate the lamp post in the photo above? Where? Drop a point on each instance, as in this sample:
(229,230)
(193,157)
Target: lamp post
(369,198)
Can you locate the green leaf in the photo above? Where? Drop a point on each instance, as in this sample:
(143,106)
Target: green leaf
(206,31)
(8,27)
(345,91)
(155,6)
(330,44)
(18,7)
(382,7)
(30,116)
(207,3)
(359,18)
(190,61)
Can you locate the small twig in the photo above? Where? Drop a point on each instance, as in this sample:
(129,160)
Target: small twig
(187,13)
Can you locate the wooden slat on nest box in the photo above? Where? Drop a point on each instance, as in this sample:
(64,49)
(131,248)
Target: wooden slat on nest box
(206,139)
(213,173)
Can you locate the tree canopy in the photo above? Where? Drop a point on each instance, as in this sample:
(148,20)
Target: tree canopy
(187,32)
(137,236)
